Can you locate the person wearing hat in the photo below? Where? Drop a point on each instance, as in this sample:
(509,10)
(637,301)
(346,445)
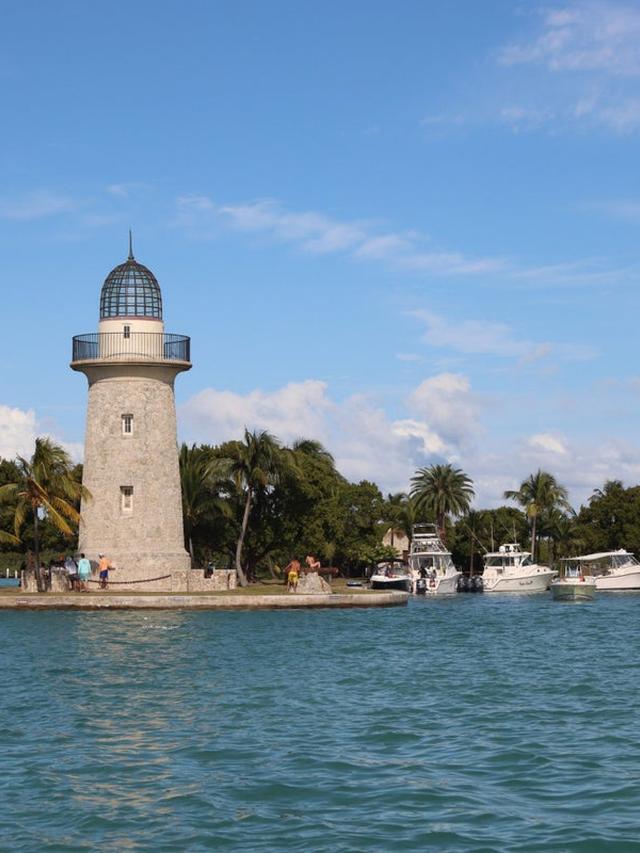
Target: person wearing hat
(103,567)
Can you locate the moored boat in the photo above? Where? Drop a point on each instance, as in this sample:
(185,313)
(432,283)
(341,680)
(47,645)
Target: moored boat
(510,569)
(391,574)
(615,571)
(430,564)
(573,584)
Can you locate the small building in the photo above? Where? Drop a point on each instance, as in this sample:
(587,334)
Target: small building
(397,539)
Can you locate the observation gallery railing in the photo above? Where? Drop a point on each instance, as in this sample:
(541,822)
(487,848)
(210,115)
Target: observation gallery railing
(124,346)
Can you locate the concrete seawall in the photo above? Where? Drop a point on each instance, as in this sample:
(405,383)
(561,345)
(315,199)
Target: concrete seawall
(158,601)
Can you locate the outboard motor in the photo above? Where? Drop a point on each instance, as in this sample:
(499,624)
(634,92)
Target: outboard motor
(477,584)
(421,586)
(463,583)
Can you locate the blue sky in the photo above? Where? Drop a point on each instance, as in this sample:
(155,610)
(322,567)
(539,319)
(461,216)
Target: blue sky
(407,229)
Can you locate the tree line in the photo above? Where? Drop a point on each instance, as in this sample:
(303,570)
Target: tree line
(254,503)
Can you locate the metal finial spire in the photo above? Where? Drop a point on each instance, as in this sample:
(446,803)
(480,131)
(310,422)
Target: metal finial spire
(130,246)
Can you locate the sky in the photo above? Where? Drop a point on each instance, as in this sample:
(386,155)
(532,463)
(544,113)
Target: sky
(406,229)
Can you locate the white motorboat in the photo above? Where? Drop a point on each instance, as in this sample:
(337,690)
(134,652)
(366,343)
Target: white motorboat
(612,570)
(573,585)
(391,574)
(510,569)
(430,563)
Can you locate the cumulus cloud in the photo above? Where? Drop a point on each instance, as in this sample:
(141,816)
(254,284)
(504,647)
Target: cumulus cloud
(365,441)
(442,421)
(17,432)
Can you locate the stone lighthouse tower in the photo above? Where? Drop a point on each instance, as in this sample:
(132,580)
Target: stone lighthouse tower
(131,454)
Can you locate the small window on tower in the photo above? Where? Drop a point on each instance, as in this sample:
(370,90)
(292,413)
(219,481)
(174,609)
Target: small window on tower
(126,498)
(126,331)
(127,424)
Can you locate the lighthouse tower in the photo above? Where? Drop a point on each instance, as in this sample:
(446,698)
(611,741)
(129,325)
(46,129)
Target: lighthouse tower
(134,515)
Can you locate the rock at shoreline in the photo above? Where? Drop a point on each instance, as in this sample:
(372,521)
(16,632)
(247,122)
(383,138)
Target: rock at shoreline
(313,584)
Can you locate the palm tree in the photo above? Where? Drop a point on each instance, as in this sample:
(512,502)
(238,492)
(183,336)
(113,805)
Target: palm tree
(46,486)
(255,464)
(540,492)
(442,490)
(394,509)
(201,476)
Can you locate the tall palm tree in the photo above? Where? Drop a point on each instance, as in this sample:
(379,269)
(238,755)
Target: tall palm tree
(540,492)
(442,490)
(45,486)
(255,464)
(201,476)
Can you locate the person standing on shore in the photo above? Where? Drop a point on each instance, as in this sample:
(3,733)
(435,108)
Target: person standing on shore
(293,575)
(71,567)
(84,573)
(103,567)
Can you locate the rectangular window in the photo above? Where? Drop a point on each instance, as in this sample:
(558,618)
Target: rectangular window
(126,331)
(126,498)
(127,424)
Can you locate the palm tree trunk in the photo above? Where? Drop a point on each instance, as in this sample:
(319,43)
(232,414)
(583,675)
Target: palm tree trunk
(36,549)
(245,521)
(193,559)
(440,522)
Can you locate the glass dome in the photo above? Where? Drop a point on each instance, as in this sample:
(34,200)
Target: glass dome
(130,290)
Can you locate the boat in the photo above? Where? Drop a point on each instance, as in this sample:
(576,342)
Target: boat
(430,564)
(573,585)
(391,574)
(510,569)
(612,570)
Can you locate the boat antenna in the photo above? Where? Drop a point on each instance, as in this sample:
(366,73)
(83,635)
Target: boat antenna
(486,551)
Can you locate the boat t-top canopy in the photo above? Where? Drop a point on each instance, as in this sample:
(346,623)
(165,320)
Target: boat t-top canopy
(600,555)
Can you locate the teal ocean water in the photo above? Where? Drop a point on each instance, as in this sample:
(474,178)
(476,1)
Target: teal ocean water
(478,723)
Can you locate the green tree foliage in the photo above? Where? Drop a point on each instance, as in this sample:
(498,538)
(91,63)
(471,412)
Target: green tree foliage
(540,493)
(46,486)
(442,491)
(610,520)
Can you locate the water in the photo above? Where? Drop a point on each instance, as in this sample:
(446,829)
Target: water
(478,723)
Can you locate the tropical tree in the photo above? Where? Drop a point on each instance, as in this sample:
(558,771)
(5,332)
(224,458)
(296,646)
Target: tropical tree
(442,490)
(203,476)
(256,464)
(45,487)
(539,493)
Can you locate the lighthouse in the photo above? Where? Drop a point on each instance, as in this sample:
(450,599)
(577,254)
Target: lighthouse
(131,469)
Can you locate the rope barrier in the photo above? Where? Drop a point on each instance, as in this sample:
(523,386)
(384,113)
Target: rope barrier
(124,583)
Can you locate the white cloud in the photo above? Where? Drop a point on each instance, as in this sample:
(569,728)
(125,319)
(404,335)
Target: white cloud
(17,432)
(583,36)
(546,441)
(365,441)
(35,205)
(481,337)
(317,233)
(442,420)
(595,46)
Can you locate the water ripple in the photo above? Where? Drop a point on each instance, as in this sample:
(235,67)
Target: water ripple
(479,723)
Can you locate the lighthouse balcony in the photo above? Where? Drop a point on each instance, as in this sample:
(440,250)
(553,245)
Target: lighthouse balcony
(131,346)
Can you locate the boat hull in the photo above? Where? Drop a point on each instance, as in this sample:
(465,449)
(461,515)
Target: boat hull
(538,582)
(403,584)
(620,581)
(447,585)
(573,590)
